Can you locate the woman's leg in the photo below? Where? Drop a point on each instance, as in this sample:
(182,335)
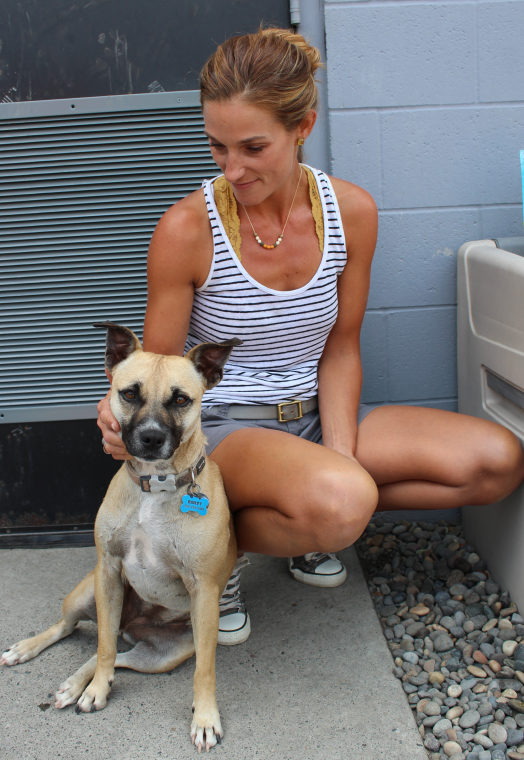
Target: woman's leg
(290,496)
(427,458)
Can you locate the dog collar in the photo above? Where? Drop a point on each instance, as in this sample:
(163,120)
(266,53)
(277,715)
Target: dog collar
(171,482)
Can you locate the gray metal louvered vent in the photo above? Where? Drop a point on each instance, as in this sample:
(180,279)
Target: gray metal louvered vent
(83,184)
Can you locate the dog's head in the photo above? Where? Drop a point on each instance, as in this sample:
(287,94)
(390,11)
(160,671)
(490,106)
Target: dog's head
(155,398)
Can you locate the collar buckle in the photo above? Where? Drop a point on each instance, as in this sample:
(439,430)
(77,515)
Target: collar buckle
(170,482)
(158,483)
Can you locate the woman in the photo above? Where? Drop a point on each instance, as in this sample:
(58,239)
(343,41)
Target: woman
(279,255)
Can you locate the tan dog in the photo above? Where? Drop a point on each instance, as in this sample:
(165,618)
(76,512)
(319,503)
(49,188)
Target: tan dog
(163,555)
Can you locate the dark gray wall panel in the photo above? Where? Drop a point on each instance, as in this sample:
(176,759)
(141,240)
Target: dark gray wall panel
(73,48)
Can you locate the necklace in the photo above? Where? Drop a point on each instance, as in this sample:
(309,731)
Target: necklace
(269,246)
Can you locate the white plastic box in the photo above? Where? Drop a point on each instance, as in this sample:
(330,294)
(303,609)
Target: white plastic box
(490,327)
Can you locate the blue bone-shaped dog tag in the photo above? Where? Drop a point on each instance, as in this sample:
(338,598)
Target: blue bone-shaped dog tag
(195,503)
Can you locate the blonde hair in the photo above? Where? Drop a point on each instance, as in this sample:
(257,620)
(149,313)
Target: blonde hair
(272,68)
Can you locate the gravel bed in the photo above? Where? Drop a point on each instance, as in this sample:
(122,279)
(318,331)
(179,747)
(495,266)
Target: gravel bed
(455,636)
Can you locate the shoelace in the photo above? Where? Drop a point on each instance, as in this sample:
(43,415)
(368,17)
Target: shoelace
(318,557)
(230,599)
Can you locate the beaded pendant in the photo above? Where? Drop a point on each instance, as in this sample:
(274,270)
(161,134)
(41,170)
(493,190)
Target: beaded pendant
(268,246)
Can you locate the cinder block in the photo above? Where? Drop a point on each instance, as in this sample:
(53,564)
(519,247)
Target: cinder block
(422,354)
(398,54)
(373,347)
(500,51)
(355,149)
(500,221)
(415,261)
(451,156)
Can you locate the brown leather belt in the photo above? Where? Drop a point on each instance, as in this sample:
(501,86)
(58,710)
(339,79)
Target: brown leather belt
(286,411)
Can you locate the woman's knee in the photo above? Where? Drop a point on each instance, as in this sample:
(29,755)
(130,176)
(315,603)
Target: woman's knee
(499,467)
(339,506)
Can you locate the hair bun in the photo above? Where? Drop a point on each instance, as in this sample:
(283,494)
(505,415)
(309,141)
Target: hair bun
(293,38)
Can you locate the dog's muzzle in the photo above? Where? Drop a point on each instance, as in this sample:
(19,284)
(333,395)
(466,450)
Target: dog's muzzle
(150,440)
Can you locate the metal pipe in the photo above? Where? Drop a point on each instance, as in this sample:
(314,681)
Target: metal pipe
(294,12)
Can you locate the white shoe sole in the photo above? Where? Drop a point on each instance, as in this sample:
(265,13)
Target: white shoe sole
(238,636)
(321,581)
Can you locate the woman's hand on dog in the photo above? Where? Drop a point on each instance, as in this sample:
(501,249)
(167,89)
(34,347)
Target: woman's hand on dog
(108,424)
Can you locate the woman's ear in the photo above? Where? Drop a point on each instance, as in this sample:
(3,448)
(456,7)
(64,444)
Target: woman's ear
(306,125)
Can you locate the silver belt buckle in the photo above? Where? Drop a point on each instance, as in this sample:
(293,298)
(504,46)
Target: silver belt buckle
(287,414)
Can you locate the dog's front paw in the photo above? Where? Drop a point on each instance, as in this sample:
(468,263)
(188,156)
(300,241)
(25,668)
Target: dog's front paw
(206,729)
(94,698)
(19,652)
(11,656)
(68,692)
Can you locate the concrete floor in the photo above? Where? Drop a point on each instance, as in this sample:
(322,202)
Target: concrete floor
(313,681)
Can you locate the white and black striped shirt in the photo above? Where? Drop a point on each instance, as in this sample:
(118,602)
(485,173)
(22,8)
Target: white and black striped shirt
(283,332)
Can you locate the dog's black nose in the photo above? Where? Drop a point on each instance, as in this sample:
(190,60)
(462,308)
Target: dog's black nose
(152,438)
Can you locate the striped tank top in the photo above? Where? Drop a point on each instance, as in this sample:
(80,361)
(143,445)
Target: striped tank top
(283,331)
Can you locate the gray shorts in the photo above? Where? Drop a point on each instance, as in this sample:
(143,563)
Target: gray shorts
(217,425)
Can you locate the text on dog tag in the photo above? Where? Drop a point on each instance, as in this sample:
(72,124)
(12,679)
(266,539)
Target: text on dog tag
(194,503)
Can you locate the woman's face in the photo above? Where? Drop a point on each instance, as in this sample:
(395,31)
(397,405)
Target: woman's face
(256,153)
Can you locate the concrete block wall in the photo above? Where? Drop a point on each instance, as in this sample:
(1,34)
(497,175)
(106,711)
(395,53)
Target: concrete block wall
(426,111)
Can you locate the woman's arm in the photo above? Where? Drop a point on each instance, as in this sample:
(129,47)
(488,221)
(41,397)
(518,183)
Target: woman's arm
(340,372)
(179,258)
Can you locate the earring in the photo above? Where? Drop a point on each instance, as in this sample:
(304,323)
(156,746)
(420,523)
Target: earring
(300,142)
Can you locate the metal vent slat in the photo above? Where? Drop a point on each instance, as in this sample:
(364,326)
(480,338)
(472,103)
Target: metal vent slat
(83,184)
(96,306)
(124,204)
(54,156)
(96,168)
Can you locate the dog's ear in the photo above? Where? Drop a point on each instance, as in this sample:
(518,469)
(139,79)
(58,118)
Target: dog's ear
(120,343)
(209,359)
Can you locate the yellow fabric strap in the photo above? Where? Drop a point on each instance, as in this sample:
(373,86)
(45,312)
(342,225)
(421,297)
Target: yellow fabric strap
(316,207)
(227,208)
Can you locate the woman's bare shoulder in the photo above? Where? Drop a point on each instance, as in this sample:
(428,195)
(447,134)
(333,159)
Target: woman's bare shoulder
(359,217)
(182,238)
(187,218)
(353,200)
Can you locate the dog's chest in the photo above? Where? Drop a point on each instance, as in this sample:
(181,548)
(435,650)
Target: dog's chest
(152,563)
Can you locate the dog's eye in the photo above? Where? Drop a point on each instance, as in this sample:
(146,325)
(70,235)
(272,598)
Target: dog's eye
(129,394)
(180,399)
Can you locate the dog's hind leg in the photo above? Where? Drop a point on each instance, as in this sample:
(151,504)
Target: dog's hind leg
(158,648)
(78,605)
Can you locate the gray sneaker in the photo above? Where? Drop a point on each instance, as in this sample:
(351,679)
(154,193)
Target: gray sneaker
(234,625)
(318,569)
